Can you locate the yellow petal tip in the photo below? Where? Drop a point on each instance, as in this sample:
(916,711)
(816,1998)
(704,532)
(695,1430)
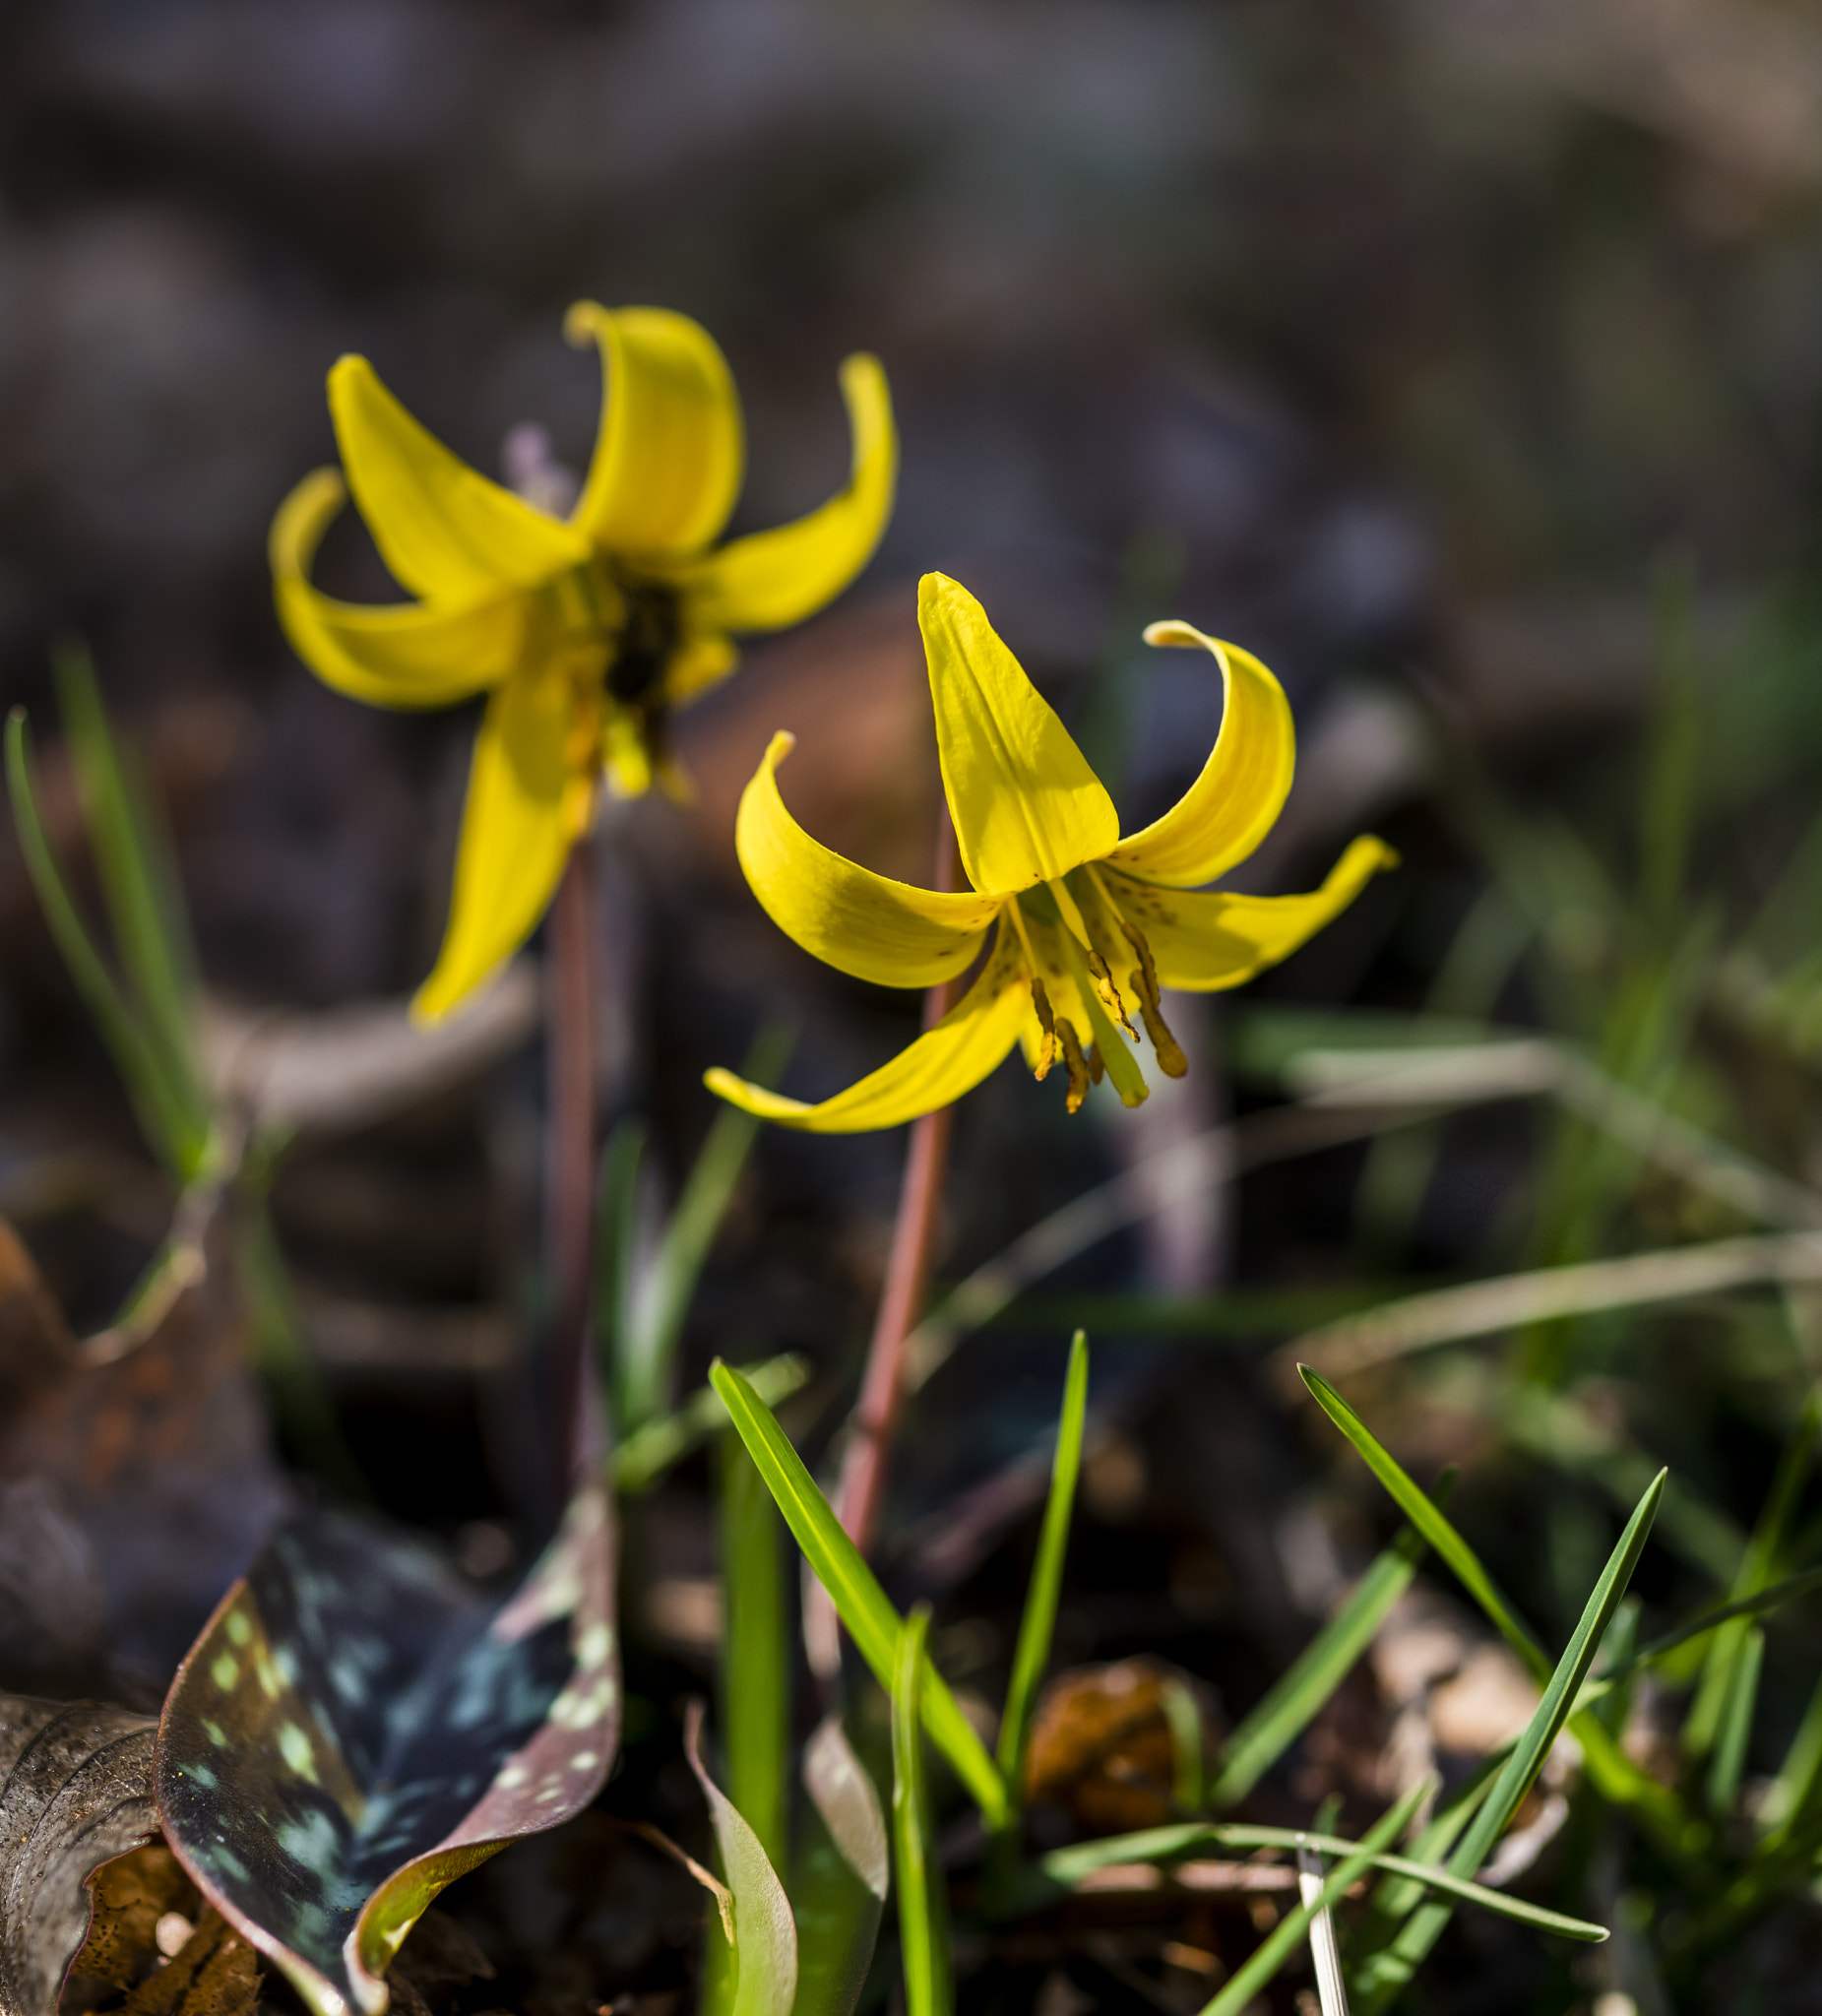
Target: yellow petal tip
(1174,631)
(580,320)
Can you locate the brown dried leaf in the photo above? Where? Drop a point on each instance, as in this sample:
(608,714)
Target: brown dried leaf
(214,1974)
(131,1894)
(75,1791)
(1102,1746)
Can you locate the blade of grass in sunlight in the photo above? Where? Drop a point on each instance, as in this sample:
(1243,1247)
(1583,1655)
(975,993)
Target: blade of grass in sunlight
(1730,1760)
(647,1451)
(1800,1777)
(923,1925)
(1718,1686)
(1431,1524)
(138,880)
(1269,1730)
(171,1125)
(861,1604)
(1037,1625)
(1069,1866)
(756,1652)
(1249,1979)
(1389,1970)
(660,1300)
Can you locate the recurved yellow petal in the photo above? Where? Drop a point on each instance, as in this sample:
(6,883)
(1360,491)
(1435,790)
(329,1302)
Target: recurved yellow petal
(861,923)
(1229,808)
(1207,941)
(670,449)
(774,578)
(1026,805)
(441,528)
(407,655)
(526,806)
(940,1067)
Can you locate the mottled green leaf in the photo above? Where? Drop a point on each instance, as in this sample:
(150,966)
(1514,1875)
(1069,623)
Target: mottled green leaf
(353,1730)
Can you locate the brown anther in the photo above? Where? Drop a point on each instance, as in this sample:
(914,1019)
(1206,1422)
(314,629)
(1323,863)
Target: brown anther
(1041,1007)
(1164,1046)
(1108,991)
(1096,1067)
(1080,1075)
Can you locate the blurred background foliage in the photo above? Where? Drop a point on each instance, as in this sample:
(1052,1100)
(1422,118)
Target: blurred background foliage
(1465,362)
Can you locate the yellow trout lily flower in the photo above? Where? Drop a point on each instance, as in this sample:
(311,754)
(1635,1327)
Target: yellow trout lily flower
(583,630)
(1085,928)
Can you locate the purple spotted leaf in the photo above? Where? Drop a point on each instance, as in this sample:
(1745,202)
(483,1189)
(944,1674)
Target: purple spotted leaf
(75,1791)
(353,1730)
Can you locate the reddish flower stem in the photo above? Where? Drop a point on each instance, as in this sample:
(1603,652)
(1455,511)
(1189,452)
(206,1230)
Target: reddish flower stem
(872,1427)
(569,1140)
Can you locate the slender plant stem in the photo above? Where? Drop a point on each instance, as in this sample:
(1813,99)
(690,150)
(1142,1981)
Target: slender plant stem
(873,1425)
(569,1171)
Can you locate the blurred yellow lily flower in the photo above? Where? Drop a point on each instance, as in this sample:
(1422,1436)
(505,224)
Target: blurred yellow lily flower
(1087,927)
(584,630)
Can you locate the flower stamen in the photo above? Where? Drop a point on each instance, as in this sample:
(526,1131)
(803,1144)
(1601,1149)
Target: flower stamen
(1081,1074)
(1143,983)
(1041,1005)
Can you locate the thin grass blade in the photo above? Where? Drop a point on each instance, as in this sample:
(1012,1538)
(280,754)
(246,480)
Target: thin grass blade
(1430,1523)
(1037,1625)
(160,1106)
(661,1299)
(756,1652)
(1248,1980)
(861,1602)
(924,1919)
(1069,1866)
(138,881)
(1268,1731)
(1390,1969)
(647,1451)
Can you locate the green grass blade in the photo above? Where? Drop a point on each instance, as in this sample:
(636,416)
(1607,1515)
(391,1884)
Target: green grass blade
(1773,1597)
(1430,1523)
(756,1652)
(1069,1866)
(616,1237)
(1182,1711)
(158,1105)
(923,1921)
(1703,1721)
(1397,1897)
(299,1395)
(139,883)
(1390,1969)
(1794,1788)
(1268,1731)
(1252,1976)
(1037,1625)
(658,1306)
(854,1588)
(1730,1760)
(647,1451)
